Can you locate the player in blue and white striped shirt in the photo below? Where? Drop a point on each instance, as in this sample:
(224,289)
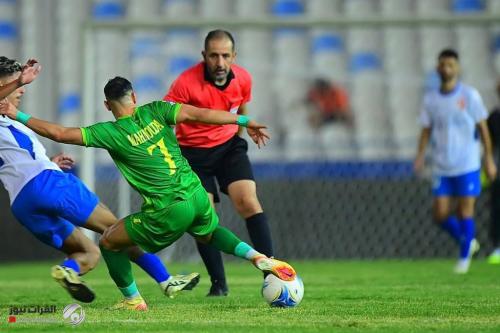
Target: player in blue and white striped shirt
(453,119)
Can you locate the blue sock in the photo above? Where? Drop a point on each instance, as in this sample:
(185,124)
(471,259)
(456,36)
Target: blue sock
(71,263)
(152,265)
(468,233)
(452,226)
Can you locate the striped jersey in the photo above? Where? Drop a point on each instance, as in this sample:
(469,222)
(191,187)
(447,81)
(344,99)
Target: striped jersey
(22,156)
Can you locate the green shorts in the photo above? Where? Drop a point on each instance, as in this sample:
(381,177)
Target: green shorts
(154,231)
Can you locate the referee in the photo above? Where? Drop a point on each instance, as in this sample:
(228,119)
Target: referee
(217,154)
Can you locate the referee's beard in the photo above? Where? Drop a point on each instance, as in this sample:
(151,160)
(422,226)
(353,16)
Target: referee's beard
(219,76)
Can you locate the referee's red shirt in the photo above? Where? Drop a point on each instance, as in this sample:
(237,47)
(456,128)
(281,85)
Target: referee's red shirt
(193,87)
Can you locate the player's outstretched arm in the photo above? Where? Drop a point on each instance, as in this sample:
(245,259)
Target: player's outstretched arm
(56,132)
(29,73)
(189,113)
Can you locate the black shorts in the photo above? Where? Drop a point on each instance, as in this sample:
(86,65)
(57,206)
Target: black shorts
(227,162)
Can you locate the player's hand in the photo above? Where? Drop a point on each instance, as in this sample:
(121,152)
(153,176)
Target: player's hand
(418,164)
(490,168)
(65,162)
(258,133)
(7,109)
(30,71)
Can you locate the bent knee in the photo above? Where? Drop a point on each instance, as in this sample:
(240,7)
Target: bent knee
(440,215)
(465,214)
(248,205)
(105,242)
(134,253)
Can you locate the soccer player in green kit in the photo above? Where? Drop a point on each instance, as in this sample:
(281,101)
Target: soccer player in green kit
(143,146)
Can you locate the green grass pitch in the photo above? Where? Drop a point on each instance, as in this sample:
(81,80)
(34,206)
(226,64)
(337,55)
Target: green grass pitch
(340,296)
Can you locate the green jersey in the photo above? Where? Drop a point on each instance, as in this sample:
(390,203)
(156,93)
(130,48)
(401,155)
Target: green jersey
(145,150)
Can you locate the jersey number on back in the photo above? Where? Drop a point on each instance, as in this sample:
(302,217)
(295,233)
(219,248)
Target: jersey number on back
(163,149)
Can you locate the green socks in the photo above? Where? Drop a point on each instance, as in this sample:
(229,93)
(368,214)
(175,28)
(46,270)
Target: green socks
(120,271)
(224,240)
(227,242)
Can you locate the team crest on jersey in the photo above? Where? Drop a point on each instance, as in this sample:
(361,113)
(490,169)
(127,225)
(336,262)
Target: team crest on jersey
(136,220)
(461,103)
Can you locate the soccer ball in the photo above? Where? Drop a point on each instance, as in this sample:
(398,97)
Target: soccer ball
(283,294)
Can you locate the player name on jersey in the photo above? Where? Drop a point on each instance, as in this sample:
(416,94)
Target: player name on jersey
(145,134)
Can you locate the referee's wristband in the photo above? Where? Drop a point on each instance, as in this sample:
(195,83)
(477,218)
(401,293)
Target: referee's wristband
(242,120)
(22,117)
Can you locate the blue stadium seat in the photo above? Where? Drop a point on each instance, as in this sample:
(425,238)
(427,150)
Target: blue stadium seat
(328,42)
(108,10)
(149,86)
(148,82)
(364,61)
(496,43)
(8,30)
(287,8)
(8,37)
(364,40)
(178,64)
(183,42)
(69,103)
(467,6)
(328,55)
(290,44)
(145,45)
(182,33)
